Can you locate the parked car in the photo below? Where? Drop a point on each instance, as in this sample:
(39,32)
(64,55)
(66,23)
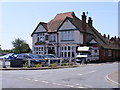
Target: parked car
(52,57)
(7,56)
(34,58)
(47,56)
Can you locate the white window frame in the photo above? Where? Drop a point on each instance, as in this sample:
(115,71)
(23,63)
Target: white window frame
(41,36)
(39,50)
(53,37)
(72,50)
(67,35)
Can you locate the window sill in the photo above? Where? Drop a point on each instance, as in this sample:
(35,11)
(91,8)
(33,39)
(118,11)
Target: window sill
(52,41)
(66,40)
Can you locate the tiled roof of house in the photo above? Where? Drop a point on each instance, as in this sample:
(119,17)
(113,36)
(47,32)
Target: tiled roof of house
(102,41)
(55,23)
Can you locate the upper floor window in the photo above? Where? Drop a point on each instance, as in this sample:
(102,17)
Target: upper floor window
(53,37)
(67,35)
(41,37)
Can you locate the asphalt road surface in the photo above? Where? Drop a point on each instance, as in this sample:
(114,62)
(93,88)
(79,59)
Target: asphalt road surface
(90,76)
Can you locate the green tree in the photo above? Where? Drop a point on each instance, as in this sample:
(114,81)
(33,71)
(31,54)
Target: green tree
(20,46)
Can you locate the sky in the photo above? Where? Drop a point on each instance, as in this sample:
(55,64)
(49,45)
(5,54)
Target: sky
(19,19)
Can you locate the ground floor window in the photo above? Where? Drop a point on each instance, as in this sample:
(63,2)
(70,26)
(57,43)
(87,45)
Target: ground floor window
(39,50)
(67,51)
(109,52)
(51,50)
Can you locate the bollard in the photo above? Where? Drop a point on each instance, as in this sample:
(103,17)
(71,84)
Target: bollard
(3,62)
(49,62)
(61,61)
(29,64)
(75,61)
(70,60)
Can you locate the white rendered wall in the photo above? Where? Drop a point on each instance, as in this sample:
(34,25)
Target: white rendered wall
(40,29)
(67,25)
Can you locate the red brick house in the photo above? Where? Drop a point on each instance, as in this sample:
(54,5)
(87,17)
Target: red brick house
(64,33)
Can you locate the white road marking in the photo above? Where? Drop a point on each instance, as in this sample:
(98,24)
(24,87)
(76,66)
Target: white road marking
(111,80)
(69,85)
(56,83)
(80,87)
(36,80)
(87,86)
(87,73)
(44,81)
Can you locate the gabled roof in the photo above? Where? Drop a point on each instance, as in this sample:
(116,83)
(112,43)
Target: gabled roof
(40,23)
(101,40)
(55,23)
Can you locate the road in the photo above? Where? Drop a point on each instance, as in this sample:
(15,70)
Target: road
(90,76)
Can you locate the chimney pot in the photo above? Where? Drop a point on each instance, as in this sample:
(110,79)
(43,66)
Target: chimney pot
(90,22)
(83,13)
(118,37)
(104,35)
(108,36)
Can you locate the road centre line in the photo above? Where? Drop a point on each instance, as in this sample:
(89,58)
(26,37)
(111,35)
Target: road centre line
(81,87)
(56,83)
(44,81)
(69,85)
(36,80)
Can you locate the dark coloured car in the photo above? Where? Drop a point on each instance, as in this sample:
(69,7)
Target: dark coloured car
(33,57)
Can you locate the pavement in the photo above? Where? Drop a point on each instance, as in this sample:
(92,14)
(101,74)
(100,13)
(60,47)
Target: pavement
(37,68)
(113,77)
(43,68)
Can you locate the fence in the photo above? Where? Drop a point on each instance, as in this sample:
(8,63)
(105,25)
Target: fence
(48,62)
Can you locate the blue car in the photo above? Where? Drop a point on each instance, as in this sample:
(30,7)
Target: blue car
(9,56)
(25,56)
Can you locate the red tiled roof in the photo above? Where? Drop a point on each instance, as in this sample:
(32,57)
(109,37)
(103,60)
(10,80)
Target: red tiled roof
(54,24)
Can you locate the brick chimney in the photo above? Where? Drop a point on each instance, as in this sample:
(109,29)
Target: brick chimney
(115,37)
(90,22)
(84,28)
(108,36)
(84,21)
(118,38)
(104,35)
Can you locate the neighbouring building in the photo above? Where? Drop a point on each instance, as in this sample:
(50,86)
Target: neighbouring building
(63,34)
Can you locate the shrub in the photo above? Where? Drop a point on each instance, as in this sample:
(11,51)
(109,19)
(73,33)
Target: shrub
(65,64)
(53,65)
(38,65)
